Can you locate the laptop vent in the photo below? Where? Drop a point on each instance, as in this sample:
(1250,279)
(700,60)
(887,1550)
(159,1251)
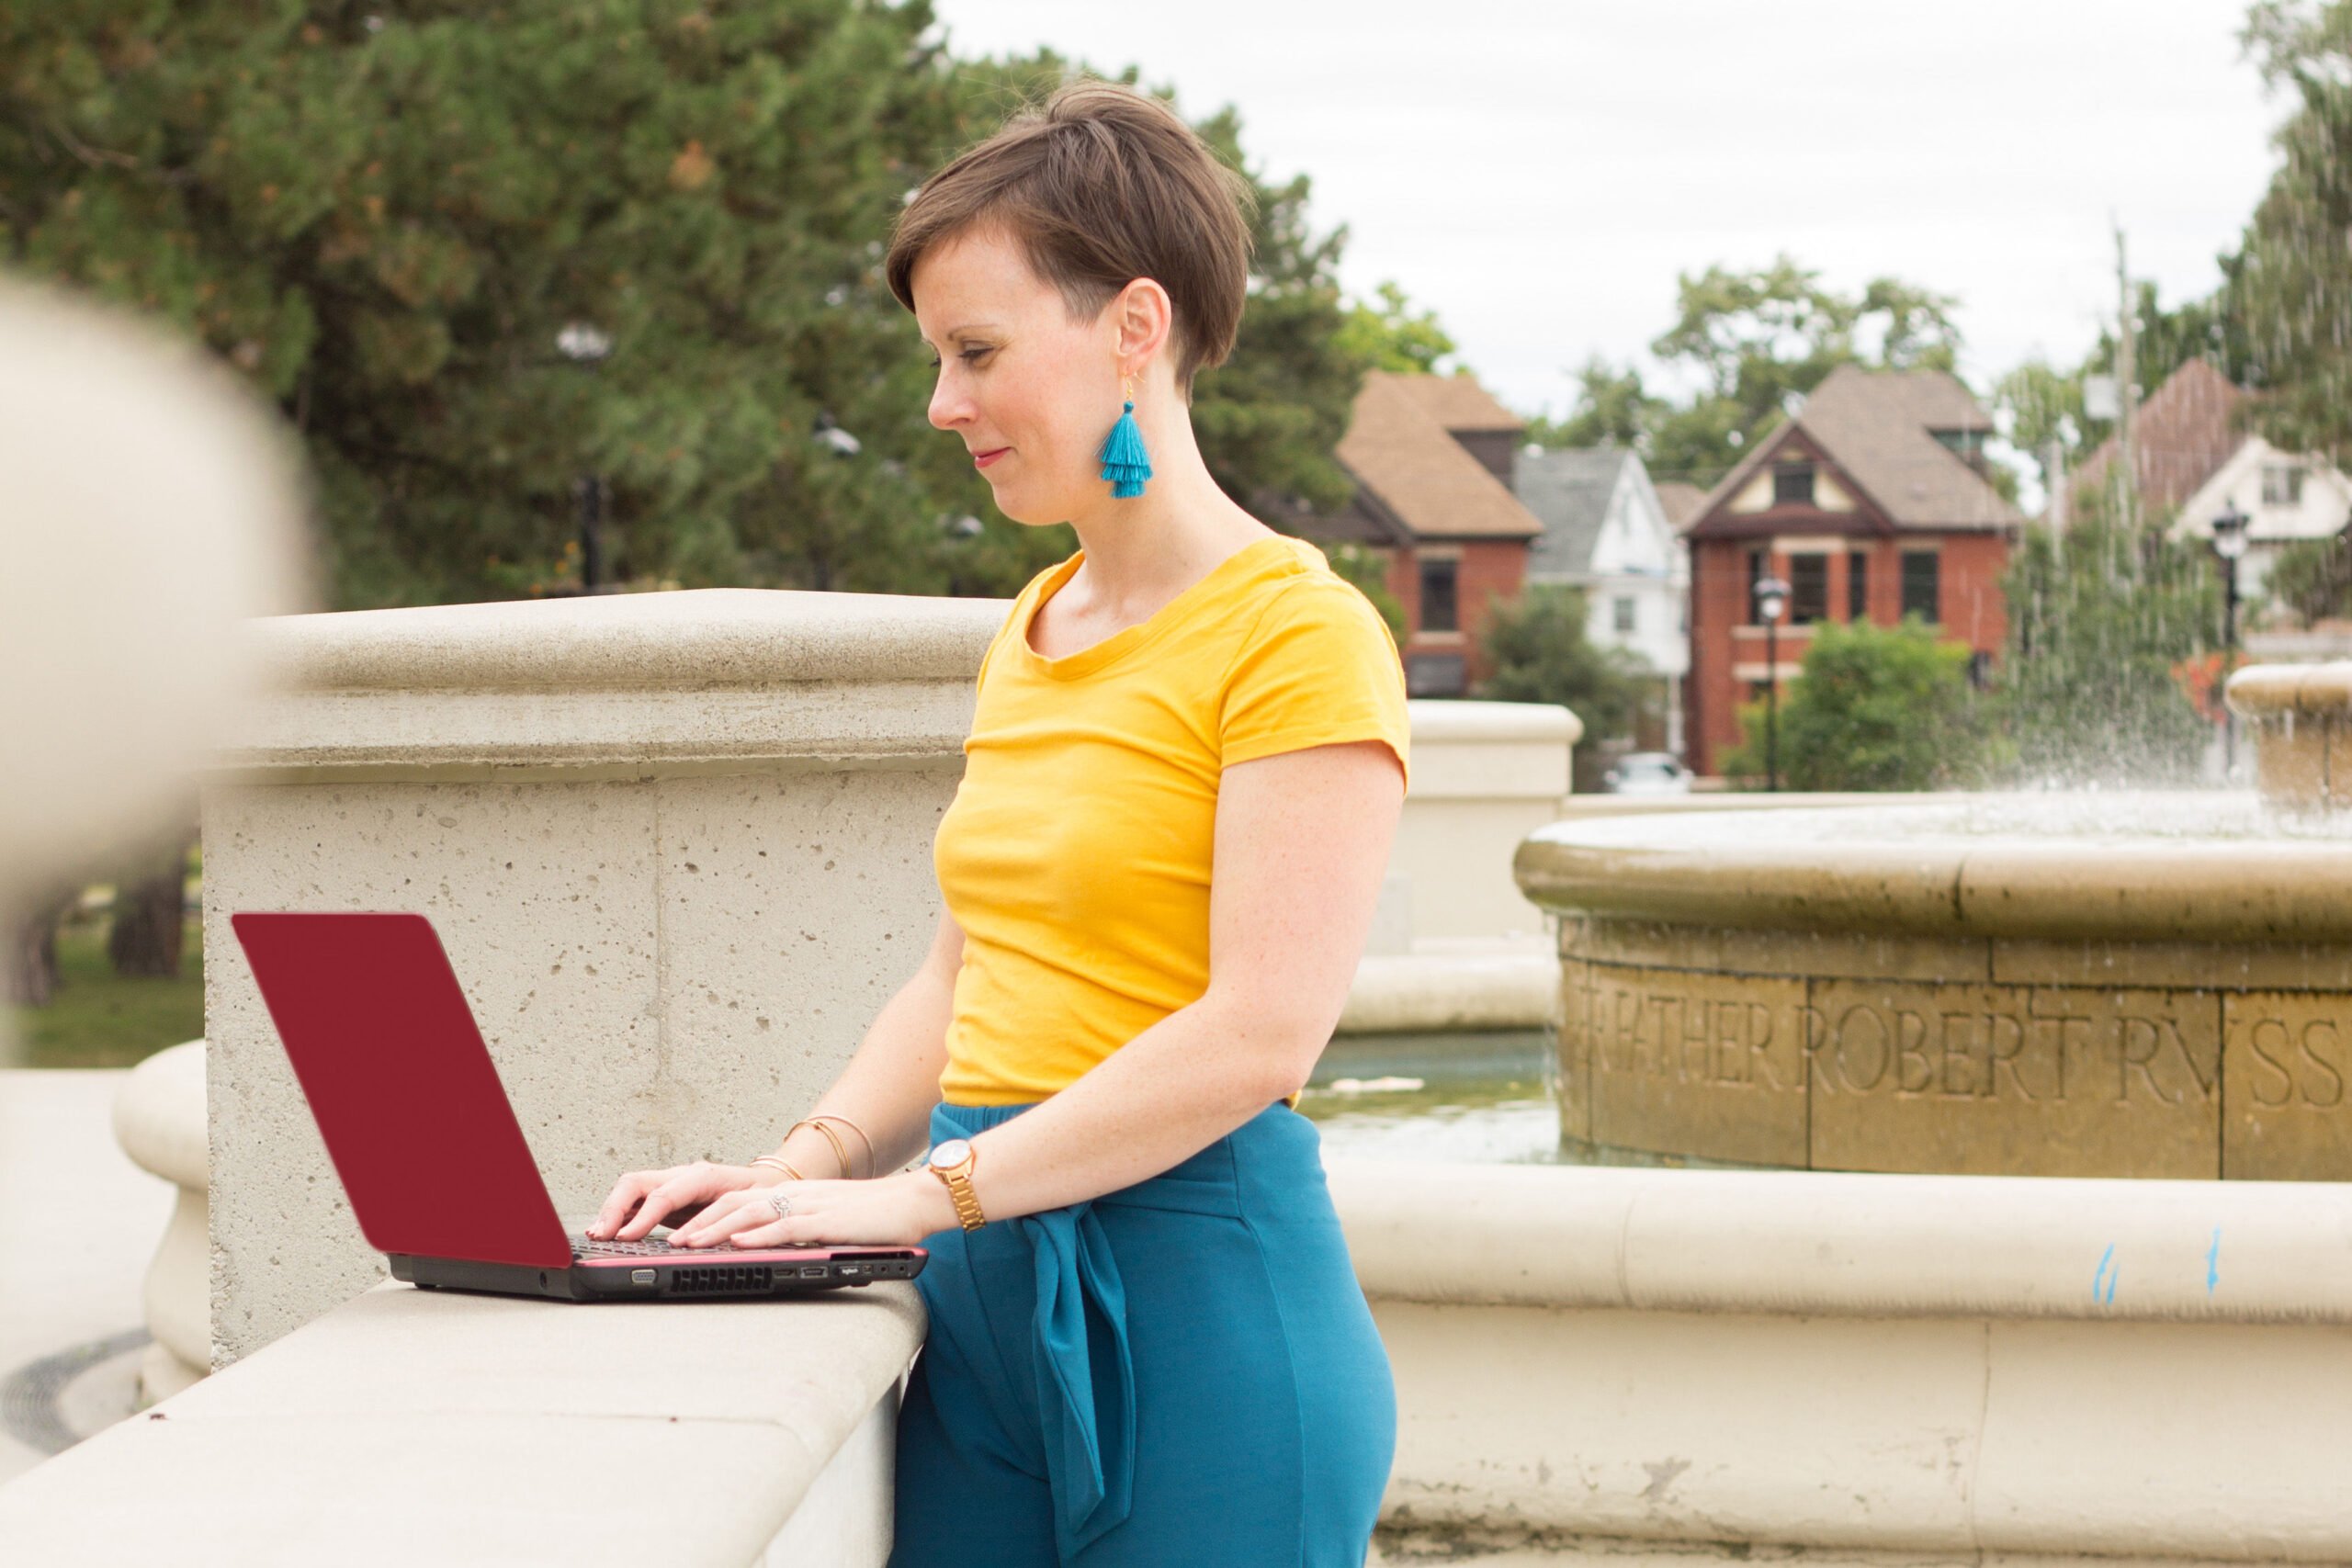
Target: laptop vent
(739,1280)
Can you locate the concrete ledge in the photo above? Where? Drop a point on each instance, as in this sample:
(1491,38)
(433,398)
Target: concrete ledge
(1643,1366)
(406,1427)
(1432,992)
(1849,1243)
(159,1120)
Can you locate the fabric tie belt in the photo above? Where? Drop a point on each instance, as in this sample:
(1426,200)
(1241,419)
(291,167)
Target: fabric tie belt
(1085,1374)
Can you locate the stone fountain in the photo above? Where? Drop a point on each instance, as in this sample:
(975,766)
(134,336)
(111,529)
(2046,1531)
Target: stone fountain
(2086,984)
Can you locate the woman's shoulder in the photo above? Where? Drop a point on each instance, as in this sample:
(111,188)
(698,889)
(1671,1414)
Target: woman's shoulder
(1302,587)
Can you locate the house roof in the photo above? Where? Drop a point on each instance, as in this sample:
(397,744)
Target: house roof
(1568,491)
(1877,427)
(1680,501)
(1400,446)
(1457,402)
(2183,434)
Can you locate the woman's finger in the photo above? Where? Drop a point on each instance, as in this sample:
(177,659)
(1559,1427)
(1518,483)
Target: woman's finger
(652,1211)
(620,1201)
(718,1218)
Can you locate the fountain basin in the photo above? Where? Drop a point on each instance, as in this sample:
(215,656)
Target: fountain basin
(2301,719)
(2136,985)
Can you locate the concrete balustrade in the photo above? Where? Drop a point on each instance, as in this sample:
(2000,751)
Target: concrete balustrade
(159,1120)
(1713,1365)
(404,1427)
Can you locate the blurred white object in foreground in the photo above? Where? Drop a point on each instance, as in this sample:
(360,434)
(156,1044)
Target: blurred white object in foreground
(149,503)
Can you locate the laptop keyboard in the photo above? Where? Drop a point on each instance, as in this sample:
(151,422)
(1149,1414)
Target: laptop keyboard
(651,1246)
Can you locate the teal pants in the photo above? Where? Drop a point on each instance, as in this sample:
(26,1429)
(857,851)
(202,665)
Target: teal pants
(1183,1371)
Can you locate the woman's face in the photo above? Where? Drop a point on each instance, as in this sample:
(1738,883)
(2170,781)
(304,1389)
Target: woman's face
(1031,392)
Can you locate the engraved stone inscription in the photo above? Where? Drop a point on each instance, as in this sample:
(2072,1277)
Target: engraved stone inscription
(1686,1063)
(2287,1076)
(2044,1081)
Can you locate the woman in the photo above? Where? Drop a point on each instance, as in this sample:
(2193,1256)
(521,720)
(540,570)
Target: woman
(1186,765)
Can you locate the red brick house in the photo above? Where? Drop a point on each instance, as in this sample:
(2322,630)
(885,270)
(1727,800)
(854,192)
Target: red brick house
(1432,459)
(1871,503)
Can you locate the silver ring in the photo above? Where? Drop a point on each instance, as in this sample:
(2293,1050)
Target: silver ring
(781,1204)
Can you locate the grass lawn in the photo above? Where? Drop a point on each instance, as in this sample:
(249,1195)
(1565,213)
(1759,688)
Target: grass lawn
(98,1020)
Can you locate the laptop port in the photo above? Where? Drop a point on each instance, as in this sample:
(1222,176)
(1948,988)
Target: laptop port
(815,1271)
(851,1271)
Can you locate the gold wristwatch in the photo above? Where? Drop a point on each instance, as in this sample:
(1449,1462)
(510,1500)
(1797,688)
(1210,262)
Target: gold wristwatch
(952,1163)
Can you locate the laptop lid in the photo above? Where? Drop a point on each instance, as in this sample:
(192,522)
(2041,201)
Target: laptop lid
(403,1087)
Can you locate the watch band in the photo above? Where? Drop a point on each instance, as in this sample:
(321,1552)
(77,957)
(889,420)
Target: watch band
(957,1179)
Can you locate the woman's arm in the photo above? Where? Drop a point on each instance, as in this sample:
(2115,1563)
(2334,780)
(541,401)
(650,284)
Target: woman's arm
(1302,844)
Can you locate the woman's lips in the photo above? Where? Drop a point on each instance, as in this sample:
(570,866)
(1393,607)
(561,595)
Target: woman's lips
(982,459)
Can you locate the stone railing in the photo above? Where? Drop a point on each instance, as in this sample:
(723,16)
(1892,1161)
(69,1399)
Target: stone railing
(405,1428)
(159,1122)
(1977,1369)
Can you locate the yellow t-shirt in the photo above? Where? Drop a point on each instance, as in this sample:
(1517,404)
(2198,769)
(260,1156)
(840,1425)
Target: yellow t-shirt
(1076,855)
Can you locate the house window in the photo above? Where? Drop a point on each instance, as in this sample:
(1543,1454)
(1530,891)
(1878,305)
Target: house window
(1857,585)
(1808,588)
(1759,565)
(1622,612)
(2282,484)
(1792,485)
(1439,612)
(1964,444)
(1435,675)
(1922,585)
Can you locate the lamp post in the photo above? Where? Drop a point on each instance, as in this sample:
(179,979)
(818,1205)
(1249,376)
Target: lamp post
(1772,598)
(2229,544)
(581,343)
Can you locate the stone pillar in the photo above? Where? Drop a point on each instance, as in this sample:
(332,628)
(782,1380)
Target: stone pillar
(676,845)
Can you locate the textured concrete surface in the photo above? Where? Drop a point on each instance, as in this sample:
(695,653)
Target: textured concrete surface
(2148,985)
(1695,1365)
(474,1429)
(77,1228)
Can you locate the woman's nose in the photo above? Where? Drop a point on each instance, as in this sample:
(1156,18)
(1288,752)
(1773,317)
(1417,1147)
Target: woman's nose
(949,408)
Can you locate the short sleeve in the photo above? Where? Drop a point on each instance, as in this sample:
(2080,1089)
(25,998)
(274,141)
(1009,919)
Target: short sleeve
(1318,668)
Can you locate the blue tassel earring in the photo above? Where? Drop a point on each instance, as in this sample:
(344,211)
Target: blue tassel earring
(1124,462)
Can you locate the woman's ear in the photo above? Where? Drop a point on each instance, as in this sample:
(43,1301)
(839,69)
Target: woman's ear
(1144,317)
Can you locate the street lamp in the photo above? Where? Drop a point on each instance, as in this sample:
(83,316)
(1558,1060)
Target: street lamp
(1772,598)
(2229,544)
(583,344)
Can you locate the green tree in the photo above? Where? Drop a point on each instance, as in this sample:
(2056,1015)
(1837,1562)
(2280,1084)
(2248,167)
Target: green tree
(385,219)
(2289,289)
(1876,708)
(2312,580)
(1536,648)
(2099,618)
(1389,334)
(1754,342)
(1612,408)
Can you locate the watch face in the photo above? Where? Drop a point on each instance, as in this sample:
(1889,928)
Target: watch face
(954,1152)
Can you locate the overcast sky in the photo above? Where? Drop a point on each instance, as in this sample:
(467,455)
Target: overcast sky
(1538,171)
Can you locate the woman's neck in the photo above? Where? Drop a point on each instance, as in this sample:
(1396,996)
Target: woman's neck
(1143,551)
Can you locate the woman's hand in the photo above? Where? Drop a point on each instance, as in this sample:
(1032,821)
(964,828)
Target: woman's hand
(644,1199)
(891,1210)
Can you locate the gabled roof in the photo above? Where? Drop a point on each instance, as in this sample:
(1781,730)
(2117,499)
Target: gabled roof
(2182,437)
(1878,427)
(1681,502)
(1568,491)
(1399,446)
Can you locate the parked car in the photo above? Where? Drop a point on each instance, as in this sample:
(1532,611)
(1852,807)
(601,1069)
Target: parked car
(1648,773)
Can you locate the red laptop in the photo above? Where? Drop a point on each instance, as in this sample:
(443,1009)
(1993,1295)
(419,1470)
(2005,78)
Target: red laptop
(421,1133)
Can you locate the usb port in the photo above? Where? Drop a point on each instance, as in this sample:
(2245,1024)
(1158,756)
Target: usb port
(851,1271)
(815,1272)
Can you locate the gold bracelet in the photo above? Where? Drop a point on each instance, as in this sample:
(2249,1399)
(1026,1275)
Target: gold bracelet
(841,1150)
(829,1116)
(781,1164)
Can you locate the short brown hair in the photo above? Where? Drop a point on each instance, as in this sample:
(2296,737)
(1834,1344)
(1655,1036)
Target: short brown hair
(1100,184)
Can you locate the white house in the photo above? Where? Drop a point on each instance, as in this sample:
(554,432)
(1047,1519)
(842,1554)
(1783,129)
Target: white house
(2284,497)
(1606,532)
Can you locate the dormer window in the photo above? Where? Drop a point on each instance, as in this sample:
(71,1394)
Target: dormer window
(1968,446)
(2282,484)
(1793,484)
